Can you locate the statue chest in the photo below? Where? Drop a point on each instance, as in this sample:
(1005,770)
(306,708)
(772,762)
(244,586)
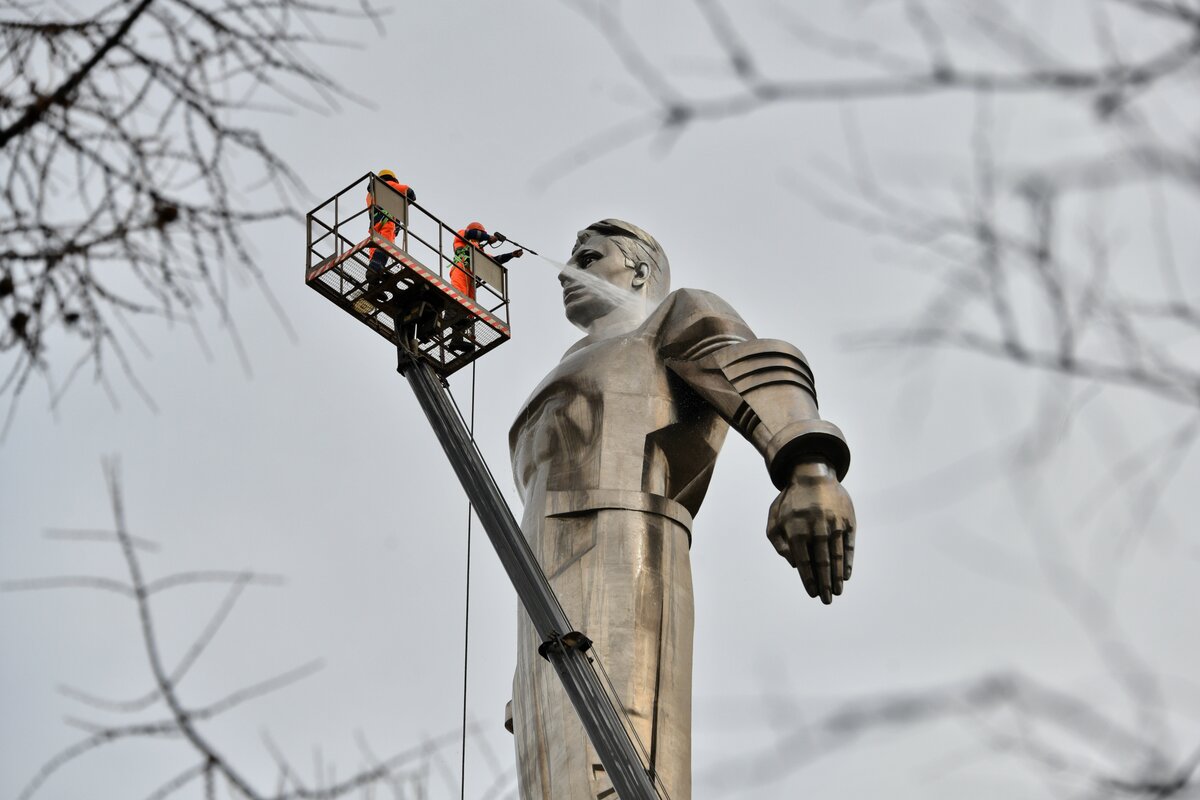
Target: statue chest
(587,423)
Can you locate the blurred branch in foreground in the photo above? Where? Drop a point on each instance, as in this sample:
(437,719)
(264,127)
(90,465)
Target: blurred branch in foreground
(1070,734)
(1061,738)
(1060,241)
(1004,248)
(1053,211)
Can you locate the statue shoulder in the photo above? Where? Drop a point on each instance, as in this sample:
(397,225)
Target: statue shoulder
(692,319)
(692,301)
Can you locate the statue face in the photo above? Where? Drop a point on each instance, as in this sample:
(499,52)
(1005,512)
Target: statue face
(596,281)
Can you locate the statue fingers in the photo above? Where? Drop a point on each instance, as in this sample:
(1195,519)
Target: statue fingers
(850,531)
(805,568)
(837,554)
(819,547)
(798,533)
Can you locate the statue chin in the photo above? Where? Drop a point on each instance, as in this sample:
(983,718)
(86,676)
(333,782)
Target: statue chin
(583,313)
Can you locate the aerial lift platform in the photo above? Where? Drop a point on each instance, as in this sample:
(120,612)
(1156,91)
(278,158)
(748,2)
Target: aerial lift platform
(415,300)
(437,330)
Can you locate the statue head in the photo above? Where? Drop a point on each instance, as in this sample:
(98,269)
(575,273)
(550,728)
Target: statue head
(616,269)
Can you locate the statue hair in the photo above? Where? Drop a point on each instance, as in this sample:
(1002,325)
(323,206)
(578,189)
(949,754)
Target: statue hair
(638,247)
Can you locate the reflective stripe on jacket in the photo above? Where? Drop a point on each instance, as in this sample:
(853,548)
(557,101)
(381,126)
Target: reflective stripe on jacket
(460,271)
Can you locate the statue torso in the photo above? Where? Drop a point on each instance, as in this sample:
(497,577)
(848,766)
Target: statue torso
(611,416)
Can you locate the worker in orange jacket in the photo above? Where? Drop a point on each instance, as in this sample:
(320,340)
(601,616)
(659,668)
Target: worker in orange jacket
(384,225)
(474,235)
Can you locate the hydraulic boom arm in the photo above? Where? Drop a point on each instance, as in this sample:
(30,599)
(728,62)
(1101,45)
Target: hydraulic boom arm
(563,646)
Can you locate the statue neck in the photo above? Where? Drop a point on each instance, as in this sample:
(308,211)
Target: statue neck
(619,321)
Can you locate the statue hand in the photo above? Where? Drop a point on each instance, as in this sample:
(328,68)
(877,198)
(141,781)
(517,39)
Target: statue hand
(812,525)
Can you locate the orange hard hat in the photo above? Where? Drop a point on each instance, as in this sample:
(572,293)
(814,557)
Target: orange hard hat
(476,226)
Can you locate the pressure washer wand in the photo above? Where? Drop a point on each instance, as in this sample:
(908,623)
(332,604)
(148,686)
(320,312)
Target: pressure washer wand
(500,237)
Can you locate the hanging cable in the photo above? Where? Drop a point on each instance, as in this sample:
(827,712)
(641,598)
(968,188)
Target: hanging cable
(467,614)
(609,688)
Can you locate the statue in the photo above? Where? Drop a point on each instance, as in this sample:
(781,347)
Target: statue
(612,455)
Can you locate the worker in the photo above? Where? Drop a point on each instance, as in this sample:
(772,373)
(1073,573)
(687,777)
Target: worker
(474,235)
(383,224)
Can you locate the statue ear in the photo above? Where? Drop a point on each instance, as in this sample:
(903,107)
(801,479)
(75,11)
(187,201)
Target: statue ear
(641,274)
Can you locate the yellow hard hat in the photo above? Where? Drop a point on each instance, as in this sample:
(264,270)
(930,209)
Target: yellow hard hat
(387,173)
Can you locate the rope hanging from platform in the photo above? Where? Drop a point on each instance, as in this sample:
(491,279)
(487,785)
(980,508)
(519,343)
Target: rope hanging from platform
(467,615)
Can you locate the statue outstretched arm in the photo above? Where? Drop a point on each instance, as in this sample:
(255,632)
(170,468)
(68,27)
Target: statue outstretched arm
(765,390)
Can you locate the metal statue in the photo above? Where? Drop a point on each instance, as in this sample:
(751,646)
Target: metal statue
(612,455)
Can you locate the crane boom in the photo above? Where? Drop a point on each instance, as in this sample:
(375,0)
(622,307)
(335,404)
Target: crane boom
(563,646)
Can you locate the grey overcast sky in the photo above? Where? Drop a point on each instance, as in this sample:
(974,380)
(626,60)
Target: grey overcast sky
(318,465)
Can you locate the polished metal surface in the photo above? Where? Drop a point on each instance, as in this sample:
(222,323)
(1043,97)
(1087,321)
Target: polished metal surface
(558,641)
(612,454)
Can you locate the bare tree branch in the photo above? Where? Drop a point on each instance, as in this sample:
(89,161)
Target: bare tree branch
(127,166)
(1027,269)
(182,720)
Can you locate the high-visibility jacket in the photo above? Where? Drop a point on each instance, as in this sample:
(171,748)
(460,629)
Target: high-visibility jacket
(460,270)
(381,223)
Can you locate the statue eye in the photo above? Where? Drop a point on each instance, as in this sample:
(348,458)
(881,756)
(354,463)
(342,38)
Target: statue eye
(584,259)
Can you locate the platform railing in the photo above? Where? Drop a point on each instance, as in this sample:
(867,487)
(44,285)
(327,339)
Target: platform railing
(345,231)
(347,221)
